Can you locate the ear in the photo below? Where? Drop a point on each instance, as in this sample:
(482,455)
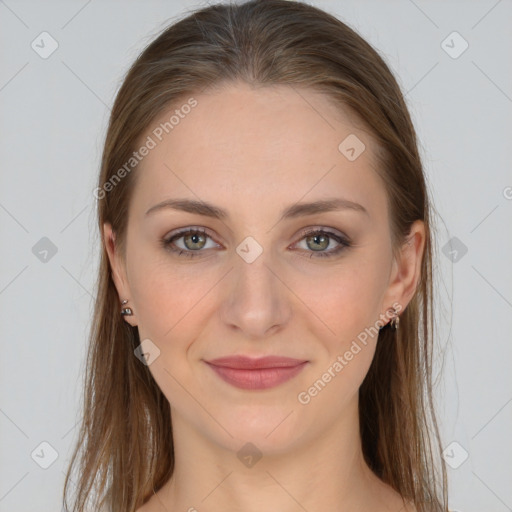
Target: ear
(406,272)
(118,271)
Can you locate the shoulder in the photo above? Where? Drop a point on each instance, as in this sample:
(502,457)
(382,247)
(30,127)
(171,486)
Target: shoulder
(152,505)
(388,499)
(144,508)
(395,502)
(406,506)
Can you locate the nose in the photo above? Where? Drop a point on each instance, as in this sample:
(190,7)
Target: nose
(257,299)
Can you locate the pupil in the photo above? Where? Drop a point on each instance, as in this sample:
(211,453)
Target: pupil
(195,238)
(317,240)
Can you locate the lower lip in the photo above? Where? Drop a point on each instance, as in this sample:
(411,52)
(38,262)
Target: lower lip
(263,378)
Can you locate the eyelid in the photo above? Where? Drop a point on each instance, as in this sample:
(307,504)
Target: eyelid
(340,238)
(179,233)
(302,233)
(184,231)
(329,231)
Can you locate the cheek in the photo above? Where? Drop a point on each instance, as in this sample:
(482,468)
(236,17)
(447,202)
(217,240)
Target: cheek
(348,300)
(166,304)
(349,305)
(169,313)
(163,295)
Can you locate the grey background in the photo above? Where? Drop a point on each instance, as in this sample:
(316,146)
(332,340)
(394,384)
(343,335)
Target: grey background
(53,119)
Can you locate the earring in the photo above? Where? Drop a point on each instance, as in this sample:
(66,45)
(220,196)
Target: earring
(395,321)
(126,311)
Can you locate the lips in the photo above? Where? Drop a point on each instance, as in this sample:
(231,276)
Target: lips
(256,373)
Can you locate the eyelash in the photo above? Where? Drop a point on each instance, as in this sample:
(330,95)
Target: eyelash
(344,243)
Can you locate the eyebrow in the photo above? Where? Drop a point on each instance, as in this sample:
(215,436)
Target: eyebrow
(296,210)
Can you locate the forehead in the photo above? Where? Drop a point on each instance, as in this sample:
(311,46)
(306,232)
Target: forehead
(275,144)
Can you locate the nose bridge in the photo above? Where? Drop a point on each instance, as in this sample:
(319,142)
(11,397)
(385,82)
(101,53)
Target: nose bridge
(256,301)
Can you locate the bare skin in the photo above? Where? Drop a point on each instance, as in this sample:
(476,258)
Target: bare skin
(254,152)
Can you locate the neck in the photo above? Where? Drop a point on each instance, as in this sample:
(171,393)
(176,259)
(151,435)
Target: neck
(328,473)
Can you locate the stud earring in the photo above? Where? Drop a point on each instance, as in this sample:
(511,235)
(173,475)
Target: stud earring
(126,311)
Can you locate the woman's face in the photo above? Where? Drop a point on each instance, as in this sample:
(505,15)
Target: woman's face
(252,282)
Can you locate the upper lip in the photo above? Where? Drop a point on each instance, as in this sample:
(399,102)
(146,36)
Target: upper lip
(251,363)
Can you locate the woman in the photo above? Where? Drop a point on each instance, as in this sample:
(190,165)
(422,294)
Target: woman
(263,323)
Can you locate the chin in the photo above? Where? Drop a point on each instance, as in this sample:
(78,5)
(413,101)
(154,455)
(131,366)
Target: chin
(271,429)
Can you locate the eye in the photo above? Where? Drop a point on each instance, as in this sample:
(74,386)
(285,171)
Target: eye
(193,241)
(320,239)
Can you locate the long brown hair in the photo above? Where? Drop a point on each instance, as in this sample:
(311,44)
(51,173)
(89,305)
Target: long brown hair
(125,452)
